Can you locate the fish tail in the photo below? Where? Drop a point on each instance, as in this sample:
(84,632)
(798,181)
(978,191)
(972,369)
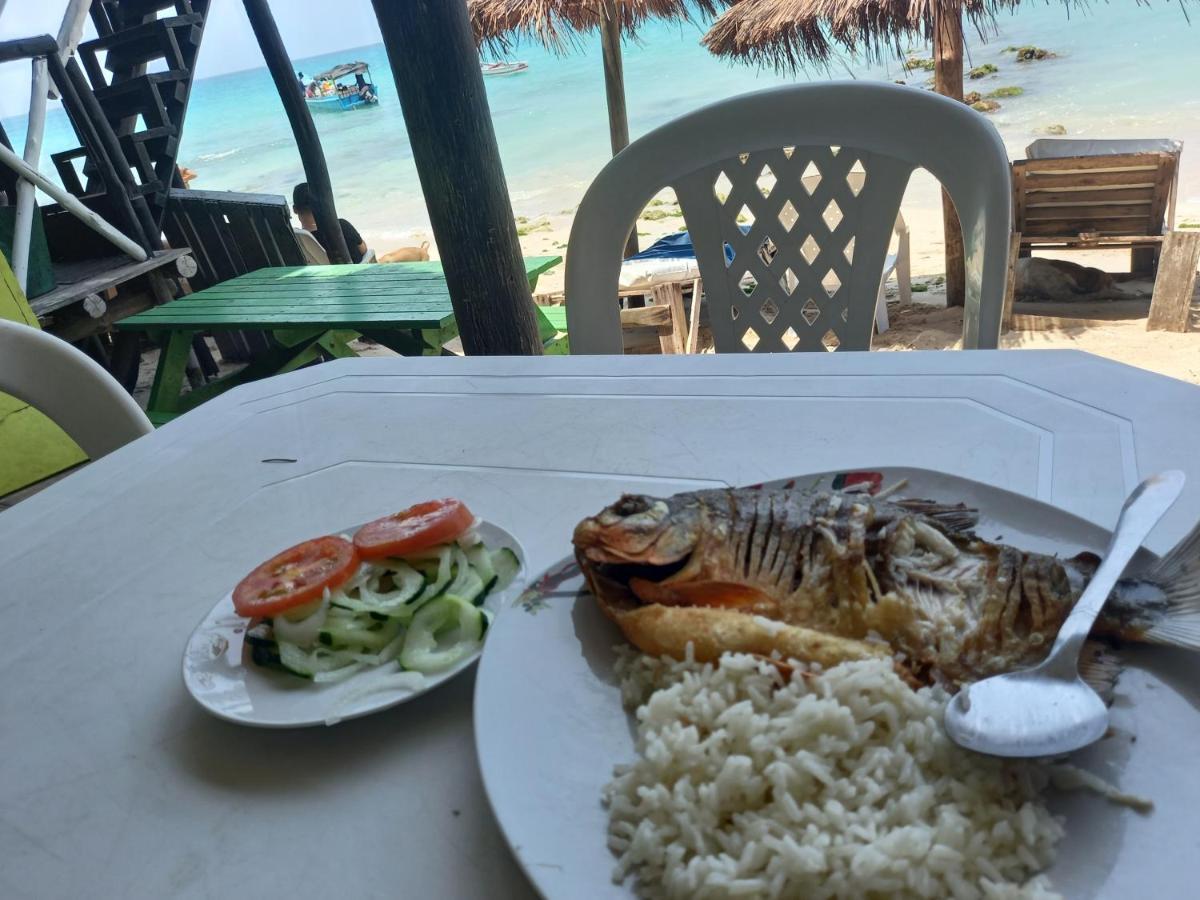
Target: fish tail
(1177,576)
(1100,668)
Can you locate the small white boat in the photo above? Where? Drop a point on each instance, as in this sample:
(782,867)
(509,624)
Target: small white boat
(503,68)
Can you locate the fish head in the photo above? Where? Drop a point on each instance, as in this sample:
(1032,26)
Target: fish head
(639,540)
(639,530)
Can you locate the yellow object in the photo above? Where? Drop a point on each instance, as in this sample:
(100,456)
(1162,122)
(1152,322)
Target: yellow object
(31,446)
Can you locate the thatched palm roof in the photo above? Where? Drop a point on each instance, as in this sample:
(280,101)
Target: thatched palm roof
(557,23)
(788,33)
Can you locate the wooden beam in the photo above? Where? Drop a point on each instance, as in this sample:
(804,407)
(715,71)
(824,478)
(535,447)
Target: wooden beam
(614,93)
(308,142)
(1010,282)
(1092,240)
(28,48)
(436,69)
(948,81)
(1175,284)
(26,192)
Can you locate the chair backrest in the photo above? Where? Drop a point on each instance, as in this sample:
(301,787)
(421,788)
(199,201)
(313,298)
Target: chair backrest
(314,253)
(1110,194)
(69,387)
(231,234)
(785,268)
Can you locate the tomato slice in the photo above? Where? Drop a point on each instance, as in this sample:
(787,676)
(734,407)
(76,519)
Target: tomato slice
(295,577)
(414,529)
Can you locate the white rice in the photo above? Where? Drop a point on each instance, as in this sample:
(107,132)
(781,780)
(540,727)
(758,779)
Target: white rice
(833,784)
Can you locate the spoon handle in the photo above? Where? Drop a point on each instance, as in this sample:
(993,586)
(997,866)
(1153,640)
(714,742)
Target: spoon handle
(1141,512)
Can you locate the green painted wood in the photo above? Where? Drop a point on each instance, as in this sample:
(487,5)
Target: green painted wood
(170,374)
(555,315)
(311,311)
(402,295)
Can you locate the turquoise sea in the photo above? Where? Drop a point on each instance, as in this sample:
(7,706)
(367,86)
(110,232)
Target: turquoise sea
(1121,70)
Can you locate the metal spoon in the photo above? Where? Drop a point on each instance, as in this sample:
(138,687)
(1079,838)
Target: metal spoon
(1049,709)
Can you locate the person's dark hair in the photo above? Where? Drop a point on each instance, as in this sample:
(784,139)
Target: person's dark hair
(301,198)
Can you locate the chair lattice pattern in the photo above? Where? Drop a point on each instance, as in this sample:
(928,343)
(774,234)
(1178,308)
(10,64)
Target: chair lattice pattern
(790,224)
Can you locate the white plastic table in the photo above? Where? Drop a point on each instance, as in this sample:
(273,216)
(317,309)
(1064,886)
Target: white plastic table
(113,783)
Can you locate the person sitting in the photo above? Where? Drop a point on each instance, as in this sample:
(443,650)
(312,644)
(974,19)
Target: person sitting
(302,206)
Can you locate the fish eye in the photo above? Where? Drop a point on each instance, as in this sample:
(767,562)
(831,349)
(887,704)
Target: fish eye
(631,505)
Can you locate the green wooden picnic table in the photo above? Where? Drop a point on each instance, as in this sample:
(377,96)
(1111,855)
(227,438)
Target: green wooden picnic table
(310,312)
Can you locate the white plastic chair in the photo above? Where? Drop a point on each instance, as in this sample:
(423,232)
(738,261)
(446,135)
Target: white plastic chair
(70,388)
(805,272)
(314,253)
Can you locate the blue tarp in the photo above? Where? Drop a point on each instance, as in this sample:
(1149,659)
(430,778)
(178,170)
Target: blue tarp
(673,246)
(679,246)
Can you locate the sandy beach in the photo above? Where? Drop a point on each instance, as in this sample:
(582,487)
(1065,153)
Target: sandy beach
(927,324)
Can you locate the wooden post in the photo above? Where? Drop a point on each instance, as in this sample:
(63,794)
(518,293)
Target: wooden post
(948,81)
(308,142)
(1175,284)
(436,69)
(614,93)
(26,192)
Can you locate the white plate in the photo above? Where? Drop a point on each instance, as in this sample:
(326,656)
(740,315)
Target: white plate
(221,677)
(549,727)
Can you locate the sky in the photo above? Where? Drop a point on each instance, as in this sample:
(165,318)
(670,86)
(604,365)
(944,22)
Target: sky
(307,26)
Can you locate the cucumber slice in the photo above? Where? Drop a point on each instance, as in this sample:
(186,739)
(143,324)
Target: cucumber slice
(506,566)
(307,664)
(443,632)
(361,633)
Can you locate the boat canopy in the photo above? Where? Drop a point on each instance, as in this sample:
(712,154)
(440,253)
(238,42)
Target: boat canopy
(341,71)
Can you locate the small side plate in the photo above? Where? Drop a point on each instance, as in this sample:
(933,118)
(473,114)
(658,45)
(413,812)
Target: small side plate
(219,674)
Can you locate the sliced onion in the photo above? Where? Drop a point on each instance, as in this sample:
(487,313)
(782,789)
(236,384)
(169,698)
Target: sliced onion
(303,632)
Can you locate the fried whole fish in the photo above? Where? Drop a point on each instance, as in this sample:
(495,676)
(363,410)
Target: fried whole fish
(829,577)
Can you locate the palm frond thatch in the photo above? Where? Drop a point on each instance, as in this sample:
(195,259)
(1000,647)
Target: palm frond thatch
(557,24)
(788,34)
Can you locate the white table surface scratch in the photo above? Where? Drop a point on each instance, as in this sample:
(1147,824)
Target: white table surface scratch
(113,783)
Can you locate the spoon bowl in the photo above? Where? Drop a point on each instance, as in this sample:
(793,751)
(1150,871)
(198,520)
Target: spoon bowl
(1048,709)
(1055,715)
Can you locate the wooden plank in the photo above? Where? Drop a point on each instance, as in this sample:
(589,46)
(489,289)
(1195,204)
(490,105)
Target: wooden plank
(1091,240)
(73,292)
(673,338)
(1136,179)
(1176,282)
(1109,226)
(1010,281)
(1100,163)
(1038,197)
(645,317)
(1144,259)
(233,321)
(693,335)
(1082,212)
(1019,199)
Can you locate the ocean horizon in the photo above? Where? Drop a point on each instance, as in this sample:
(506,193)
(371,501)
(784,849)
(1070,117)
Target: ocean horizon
(1118,72)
